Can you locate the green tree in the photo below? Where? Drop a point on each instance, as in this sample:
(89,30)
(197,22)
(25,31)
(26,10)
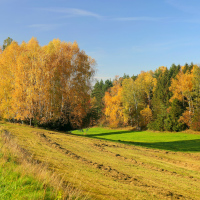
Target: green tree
(133,98)
(98,93)
(160,100)
(172,122)
(174,70)
(7,42)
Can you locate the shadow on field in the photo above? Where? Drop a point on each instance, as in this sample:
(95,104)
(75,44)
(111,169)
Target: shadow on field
(184,146)
(181,145)
(110,133)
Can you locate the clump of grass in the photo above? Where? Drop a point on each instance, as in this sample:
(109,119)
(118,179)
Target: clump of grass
(22,177)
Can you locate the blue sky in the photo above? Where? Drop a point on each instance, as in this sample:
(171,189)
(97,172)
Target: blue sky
(123,36)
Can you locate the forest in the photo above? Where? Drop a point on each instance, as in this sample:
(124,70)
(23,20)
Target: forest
(161,100)
(51,86)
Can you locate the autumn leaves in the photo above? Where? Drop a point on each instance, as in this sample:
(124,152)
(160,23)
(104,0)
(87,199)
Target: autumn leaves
(51,85)
(128,102)
(48,84)
(162,100)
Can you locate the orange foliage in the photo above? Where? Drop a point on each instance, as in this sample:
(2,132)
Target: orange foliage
(113,105)
(46,83)
(186,118)
(148,83)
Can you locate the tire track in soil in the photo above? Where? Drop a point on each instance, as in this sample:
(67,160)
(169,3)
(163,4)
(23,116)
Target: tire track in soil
(134,161)
(108,171)
(101,147)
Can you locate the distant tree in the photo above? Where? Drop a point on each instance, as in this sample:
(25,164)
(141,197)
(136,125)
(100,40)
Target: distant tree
(161,94)
(113,105)
(97,95)
(134,77)
(148,84)
(174,70)
(125,76)
(187,68)
(172,123)
(160,100)
(133,98)
(147,116)
(7,42)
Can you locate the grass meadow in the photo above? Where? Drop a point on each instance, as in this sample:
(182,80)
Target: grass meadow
(173,141)
(100,163)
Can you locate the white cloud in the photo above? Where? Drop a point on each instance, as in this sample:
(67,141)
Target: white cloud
(137,19)
(44,27)
(162,46)
(74,12)
(185,6)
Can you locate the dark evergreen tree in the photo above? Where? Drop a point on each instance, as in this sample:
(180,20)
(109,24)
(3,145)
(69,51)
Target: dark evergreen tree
(98,92)
(172,122)
(187,68)
(160,100)
(7,42)
(174,70)
(134,77)
(125,76)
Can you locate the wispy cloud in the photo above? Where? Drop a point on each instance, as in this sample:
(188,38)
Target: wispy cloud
(74,12)
(185,6)
(44,27)
(137,19)
(161,46)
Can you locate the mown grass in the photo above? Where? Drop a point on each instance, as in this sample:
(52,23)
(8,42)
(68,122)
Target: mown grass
(103,169)
(174,141)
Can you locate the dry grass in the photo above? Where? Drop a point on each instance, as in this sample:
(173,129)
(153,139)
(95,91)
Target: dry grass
(108,170)
(28,165)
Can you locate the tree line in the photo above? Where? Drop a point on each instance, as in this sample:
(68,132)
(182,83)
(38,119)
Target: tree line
(51,86)
(45,85)
(163,100)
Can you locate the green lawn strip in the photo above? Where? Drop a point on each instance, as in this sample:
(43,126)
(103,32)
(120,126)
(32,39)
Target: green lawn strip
(174,141)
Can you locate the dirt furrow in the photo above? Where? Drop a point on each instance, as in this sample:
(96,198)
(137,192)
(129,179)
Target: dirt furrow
(109,171)
(135,162)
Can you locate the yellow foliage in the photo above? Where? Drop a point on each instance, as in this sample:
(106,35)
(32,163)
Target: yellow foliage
(45,82)
(182,86)
(147,83)
(113,105)
(147,115)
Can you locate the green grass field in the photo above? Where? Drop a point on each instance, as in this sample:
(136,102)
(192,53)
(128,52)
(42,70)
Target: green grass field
(174,141)
(115,164)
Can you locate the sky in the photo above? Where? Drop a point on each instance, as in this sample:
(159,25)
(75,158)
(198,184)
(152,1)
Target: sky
(123,36)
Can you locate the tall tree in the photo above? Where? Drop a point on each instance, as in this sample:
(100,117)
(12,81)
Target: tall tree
(98,93)
(160,100)
(148,83)
(133,101)
(113,105)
